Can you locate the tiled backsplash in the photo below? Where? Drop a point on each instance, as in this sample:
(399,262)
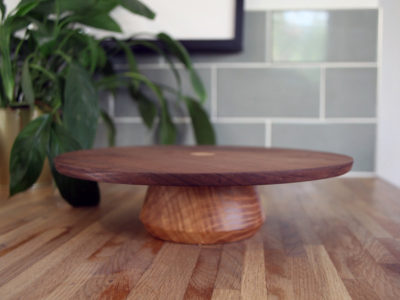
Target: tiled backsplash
(334,36)
(306,79)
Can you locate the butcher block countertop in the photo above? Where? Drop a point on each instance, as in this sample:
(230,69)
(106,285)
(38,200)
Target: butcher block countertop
(328,239)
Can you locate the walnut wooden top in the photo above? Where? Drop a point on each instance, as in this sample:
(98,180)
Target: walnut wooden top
(201,165)
(331,239)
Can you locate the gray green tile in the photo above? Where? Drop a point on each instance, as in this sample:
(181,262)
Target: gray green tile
(351,92)
(128,134)
(335,35)
(268,92)
(136,134)
(133,134)
(101,139)
(356,140)
(104,101)
(254,43)
(240,134)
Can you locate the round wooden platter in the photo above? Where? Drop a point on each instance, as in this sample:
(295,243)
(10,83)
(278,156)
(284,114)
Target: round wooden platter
(202,194)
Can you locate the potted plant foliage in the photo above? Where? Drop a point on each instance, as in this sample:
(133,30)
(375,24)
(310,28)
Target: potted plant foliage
(53,65)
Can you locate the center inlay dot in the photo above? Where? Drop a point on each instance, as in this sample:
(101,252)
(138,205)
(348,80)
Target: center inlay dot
(202,153)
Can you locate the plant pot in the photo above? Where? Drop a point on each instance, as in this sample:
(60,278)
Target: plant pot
(12,121)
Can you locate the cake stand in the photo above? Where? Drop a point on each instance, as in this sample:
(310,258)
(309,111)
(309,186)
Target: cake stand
(201,194)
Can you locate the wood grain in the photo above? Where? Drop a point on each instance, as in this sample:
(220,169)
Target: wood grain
(201,165)
(329,239)
(202,215)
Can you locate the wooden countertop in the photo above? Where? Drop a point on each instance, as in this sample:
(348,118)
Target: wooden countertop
(328,239)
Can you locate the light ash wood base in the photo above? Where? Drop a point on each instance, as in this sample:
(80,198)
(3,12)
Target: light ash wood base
(202,215)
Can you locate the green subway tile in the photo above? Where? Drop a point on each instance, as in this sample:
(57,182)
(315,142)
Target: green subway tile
(356,140)
(268,92)
(318,35)
(351,92)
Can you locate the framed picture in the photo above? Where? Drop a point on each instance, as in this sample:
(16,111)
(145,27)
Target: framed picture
(201,25)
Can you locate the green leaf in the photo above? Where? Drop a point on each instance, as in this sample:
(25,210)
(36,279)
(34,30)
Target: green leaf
(153,87)
(48,73)
(75,5)
(2,9)
(3,101)
(176,48)
(26,84)
(81,109)
(25,7)
(75,191)
(180,52)
(155,48)
(6,71)
(111,131)
(28,153)
(148,45)
(101,57)
(147,108)
(197,85)
(138,8)
(94,54)
(175,72)
(167,129)
(84,58)
(78,7)
(16,23)
(131,61)
(203,130)
(111,82)
(45,7)
(100,7)
(100,21)
(48,7)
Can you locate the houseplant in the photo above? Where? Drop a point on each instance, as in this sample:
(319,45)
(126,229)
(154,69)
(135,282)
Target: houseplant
(13,116)
(57,67)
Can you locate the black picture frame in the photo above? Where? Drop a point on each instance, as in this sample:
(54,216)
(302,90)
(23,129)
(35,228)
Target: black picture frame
(205,46)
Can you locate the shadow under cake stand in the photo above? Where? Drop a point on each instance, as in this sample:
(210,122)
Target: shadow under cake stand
(203,194)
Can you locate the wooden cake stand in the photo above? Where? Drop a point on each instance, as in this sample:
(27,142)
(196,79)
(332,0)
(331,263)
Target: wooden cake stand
(204,194)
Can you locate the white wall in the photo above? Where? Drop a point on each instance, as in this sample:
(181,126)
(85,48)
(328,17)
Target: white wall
(309,4)
(388,148)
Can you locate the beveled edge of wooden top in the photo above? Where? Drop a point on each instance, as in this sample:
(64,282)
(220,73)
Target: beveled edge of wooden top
(207,179)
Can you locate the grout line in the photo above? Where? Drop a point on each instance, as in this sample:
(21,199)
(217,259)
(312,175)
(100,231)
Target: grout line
(322,94)
(297,65)
(260,5)
(256,120)
(378,84)
(228,120)
(268,40)
(268,133)
(214,103)
(111,104)
(181,120)
(259,65)
(250,120)
(328,121)
(308,8)
(133,120)
(138,120)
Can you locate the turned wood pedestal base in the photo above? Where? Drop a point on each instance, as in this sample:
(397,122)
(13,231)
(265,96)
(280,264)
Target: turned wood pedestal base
(202,215)
(203,194)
